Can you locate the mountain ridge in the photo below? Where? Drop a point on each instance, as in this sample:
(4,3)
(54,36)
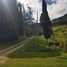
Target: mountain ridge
(60,21)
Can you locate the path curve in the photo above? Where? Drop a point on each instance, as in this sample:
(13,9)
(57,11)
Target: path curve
(7,51)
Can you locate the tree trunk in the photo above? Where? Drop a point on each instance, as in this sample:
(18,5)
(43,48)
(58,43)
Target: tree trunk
(46,43)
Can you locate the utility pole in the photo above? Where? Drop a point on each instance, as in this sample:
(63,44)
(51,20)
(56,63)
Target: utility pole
(38,30)
(37,16)
(37,23)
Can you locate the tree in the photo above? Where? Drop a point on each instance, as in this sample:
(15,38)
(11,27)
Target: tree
(45,21)
(21,21)
(10,20)
(28,20)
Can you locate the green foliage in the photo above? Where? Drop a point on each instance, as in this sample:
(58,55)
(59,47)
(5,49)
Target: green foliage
(25,57)
(59,32)
(35,54)
(35,50)
(41,40)
(6,45)
(45,21)
(10,19)
(60,21)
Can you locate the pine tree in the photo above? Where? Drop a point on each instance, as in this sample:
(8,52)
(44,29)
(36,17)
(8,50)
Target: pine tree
(45,21)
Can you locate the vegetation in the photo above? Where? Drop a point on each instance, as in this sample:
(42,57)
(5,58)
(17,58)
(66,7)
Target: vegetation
(45,21)
(9,44)
(17,24)
(10,18)
(35,54)
(60,21)
(15,21)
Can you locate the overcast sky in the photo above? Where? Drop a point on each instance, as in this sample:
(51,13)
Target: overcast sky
(56,8)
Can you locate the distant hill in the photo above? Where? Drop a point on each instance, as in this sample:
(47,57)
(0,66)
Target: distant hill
(60,21)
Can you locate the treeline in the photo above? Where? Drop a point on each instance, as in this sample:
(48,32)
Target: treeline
(15,21)
(60,21)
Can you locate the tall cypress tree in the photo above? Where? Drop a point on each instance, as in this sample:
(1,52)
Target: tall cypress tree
(45,21)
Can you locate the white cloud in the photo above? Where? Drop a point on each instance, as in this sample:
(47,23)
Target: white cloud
(36,6)
(55,10)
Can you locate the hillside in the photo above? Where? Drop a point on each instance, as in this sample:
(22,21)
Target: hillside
(60,21)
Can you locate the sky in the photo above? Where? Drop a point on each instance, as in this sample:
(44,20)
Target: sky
(56,8)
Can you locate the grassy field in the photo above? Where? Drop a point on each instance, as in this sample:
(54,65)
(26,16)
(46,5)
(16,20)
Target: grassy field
(57,61)
(60,33)
(35,54)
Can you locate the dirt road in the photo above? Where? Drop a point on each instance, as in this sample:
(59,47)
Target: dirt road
(7,51)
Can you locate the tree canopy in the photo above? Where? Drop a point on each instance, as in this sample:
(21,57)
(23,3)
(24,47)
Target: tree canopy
(45,21)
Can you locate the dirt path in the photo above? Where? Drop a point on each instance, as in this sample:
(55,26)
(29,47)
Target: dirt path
(5,52)
(13,48)
(9,48)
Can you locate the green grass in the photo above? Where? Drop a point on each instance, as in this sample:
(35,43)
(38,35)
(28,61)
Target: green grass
(37,62)
(48,61)
(49,58)
(59,27)
(35,54)
(60,33)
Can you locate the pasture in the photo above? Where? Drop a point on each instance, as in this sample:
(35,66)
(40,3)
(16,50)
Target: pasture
(36,54)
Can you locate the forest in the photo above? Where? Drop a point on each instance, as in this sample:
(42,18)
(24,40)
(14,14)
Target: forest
(15,22)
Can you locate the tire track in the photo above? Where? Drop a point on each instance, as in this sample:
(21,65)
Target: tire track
(7,51)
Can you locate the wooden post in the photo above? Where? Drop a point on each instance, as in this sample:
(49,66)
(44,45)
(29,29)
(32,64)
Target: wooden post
(65,47)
